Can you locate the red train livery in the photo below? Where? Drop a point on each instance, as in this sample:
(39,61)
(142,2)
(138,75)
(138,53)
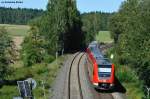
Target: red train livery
(101,70)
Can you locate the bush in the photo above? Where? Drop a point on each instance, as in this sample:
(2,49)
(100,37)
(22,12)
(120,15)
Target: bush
(124,74)
(5,47)
(32,48)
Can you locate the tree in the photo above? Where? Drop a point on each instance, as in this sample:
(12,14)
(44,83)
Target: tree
(63,26)
(133,42)
(59,28)
(33,48)
(5,45)
(94,22)
(115,26)
(74,37)
(18,15)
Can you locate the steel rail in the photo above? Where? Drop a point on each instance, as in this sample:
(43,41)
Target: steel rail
(69,76)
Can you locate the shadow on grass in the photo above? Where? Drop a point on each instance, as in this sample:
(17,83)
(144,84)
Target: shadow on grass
(12,82)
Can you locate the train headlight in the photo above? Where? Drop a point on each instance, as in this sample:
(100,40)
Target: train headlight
(111,85)
(96,84)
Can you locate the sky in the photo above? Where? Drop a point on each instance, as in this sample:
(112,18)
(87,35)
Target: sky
(99,5)
(83,5)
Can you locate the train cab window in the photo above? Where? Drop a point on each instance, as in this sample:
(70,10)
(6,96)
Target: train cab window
(96,52)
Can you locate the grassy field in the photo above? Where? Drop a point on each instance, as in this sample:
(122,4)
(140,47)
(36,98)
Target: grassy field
(104,36)
(16,30)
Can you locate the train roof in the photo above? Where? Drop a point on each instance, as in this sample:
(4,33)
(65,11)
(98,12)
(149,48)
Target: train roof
(103,61)
(100,59)
(94,42)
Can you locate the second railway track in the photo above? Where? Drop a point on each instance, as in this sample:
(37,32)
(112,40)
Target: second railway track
(74,84)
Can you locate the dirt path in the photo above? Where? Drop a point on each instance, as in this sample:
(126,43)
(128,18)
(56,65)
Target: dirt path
(18,40)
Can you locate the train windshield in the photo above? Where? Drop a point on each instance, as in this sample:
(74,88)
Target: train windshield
(104,70)
(96,52)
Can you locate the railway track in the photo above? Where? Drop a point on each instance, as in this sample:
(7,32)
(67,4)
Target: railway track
(74,80)
(74,83)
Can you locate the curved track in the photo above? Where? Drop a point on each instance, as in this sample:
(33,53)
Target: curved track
(74,83)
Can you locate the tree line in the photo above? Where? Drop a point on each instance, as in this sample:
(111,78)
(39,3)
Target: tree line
(18,15)
(93,22)
(130,30)
(61,29)
(58,30)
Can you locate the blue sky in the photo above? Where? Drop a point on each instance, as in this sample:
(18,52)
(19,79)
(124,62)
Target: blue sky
(83,5)
(98,5)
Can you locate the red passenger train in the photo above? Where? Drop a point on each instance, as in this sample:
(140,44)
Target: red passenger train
(101,70)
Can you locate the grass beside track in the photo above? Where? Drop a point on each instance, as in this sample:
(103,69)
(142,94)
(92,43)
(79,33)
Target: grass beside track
(104,36)
(128,78)
(39,72)
(16,30)
(130,81)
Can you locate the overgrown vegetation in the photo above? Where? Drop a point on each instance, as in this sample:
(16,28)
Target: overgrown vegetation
(127,77)
(40,72)
(6,52)
(130,30)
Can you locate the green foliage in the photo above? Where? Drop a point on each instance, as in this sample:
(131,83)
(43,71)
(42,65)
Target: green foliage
(5,48)
(127,76)
(8,92)
(65,25)
(39,72)
(115,26)
(133,43)
(18,15)
(94,22)
(58,29)
(104,36)
(32,48)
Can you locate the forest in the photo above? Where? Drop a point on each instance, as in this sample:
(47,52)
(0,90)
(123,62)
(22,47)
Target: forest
(18,15)
(93,22)
(130,29)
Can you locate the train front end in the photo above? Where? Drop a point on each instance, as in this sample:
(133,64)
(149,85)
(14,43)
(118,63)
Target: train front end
(106,76)
(102,70)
